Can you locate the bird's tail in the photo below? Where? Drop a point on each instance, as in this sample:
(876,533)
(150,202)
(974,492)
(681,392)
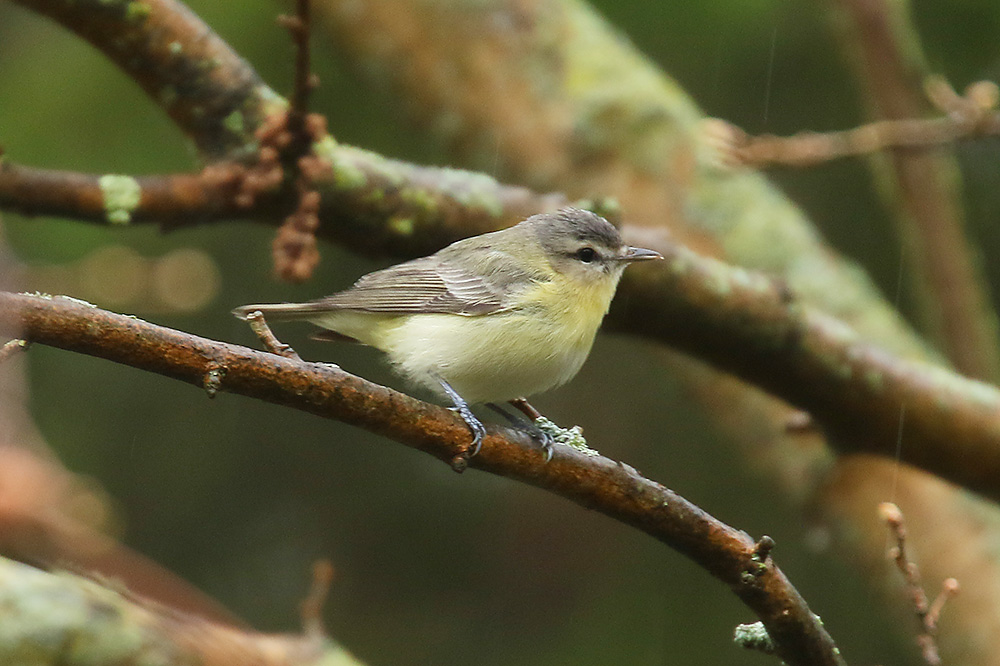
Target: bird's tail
(277,311)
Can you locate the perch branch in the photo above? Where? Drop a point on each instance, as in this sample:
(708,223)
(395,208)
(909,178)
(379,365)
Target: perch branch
(594,482)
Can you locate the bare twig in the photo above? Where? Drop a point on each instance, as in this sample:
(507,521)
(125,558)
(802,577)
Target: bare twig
(967,119)
(294,247)
(927,613)
(595,482)
(259,326)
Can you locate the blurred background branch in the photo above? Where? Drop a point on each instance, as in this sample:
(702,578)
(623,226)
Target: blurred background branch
(62,618)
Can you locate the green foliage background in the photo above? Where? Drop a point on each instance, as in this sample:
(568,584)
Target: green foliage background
(436,568)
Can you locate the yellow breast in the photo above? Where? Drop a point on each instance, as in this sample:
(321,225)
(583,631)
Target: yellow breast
(539,344)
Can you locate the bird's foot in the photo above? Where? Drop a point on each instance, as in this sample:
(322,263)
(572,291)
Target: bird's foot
(543,438)
(461,461)
(461,407)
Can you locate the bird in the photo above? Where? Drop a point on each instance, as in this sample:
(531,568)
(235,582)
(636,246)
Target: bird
(488,319)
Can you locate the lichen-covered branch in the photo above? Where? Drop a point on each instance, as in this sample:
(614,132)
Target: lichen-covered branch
(595,482)
(168,200)
(376,205)
(575,109)
(60,619)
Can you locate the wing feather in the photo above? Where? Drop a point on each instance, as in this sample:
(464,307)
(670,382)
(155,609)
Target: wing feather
(425,285)
(439,283)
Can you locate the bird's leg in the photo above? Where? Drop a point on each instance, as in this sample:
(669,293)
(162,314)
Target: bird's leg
(543,438)
(462,408)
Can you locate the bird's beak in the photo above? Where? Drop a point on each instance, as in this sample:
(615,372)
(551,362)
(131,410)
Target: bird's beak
(640,254)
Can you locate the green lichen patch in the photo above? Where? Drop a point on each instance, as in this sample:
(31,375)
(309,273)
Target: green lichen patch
(420,199)
(137,11)
(569,436)
(122,195)
(402,225)
(754,637)
(346,174)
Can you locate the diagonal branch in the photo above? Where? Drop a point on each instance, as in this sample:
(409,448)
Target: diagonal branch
(594,482)
(754,327)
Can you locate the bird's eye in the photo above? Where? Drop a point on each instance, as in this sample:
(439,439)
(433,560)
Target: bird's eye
(586,254)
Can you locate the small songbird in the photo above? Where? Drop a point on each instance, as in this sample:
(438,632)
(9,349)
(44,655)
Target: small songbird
(488,319)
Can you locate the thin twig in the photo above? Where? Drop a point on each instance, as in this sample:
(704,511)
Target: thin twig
(968,119)
(259,326)
(926,613)
(294,247)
